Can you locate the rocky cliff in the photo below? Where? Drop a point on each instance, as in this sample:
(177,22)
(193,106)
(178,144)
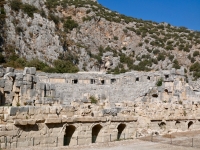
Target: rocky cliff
(92,37)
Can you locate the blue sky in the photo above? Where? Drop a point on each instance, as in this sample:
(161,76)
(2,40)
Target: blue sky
(176,12)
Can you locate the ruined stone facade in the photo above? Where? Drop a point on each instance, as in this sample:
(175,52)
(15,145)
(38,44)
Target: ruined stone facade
(83,108)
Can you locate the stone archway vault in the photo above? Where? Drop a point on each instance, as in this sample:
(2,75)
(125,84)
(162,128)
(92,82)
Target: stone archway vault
(69,131)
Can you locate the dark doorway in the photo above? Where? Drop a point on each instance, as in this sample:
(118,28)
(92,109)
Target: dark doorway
(113,81)
(68,134)
(120,129)
(92,81)
(75,81)
(148,78)
(162,125)
(190,124)
(95,131)
(102,82)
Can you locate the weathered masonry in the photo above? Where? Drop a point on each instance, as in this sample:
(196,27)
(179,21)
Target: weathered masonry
(74,109)
(61,126)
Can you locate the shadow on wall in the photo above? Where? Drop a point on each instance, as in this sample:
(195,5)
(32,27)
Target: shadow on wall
(190,124)
(95,131)
(120,129)
(69,131)
(2,99)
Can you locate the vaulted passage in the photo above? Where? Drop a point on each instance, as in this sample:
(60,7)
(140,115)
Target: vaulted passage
(120,129)
(95,131)
(190,124)
(68,134)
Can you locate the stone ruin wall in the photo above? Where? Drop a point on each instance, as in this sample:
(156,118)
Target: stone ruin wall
(46,107)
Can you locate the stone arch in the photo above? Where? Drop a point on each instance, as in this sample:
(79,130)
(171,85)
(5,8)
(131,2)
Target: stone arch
(190,123)
(178,124)
(95,132)
(69,131)
(120,129)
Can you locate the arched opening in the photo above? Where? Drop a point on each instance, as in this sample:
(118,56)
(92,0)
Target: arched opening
(162,125)
(69,131)
(155,95)
(177,122)
(190,124)
(120,129)
(166,91)
(148,78)
(95,131)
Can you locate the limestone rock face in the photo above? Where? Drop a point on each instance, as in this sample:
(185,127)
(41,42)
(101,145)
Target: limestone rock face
(98,43)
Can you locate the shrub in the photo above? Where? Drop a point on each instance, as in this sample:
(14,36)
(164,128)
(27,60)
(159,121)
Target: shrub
(146,41)
(176,64)
(159,82)
(93,99)
(161,56)
(15,5)
(115,38)
(171,57)
(156,51)
(88,11)
(140,44)
(65,67)
(54,18)
(18,30)
(70,24)
(88,18)
(2,59)
(196,53)
(29,9)
(39,65)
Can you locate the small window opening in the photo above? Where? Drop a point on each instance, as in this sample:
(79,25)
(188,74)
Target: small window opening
(75,81)
(148,78)
(102,82)
(137,79)
(92,81)
(113,81)
(155,95)
(166,76)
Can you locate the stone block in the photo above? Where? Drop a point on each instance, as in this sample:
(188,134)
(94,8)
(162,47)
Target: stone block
(19,76)
(52,87)
(47,87)
(53,110)
(32,70)
(42,86)
(35,79)
(2,83)
(1,74)
(8,86)
(31,92)
(1,110)
(52,116)
(20,122)
(24,109)
(31,122)
(29,78)
(13,110)
(18,83)
(53,120)
(10,74)
(9,69)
